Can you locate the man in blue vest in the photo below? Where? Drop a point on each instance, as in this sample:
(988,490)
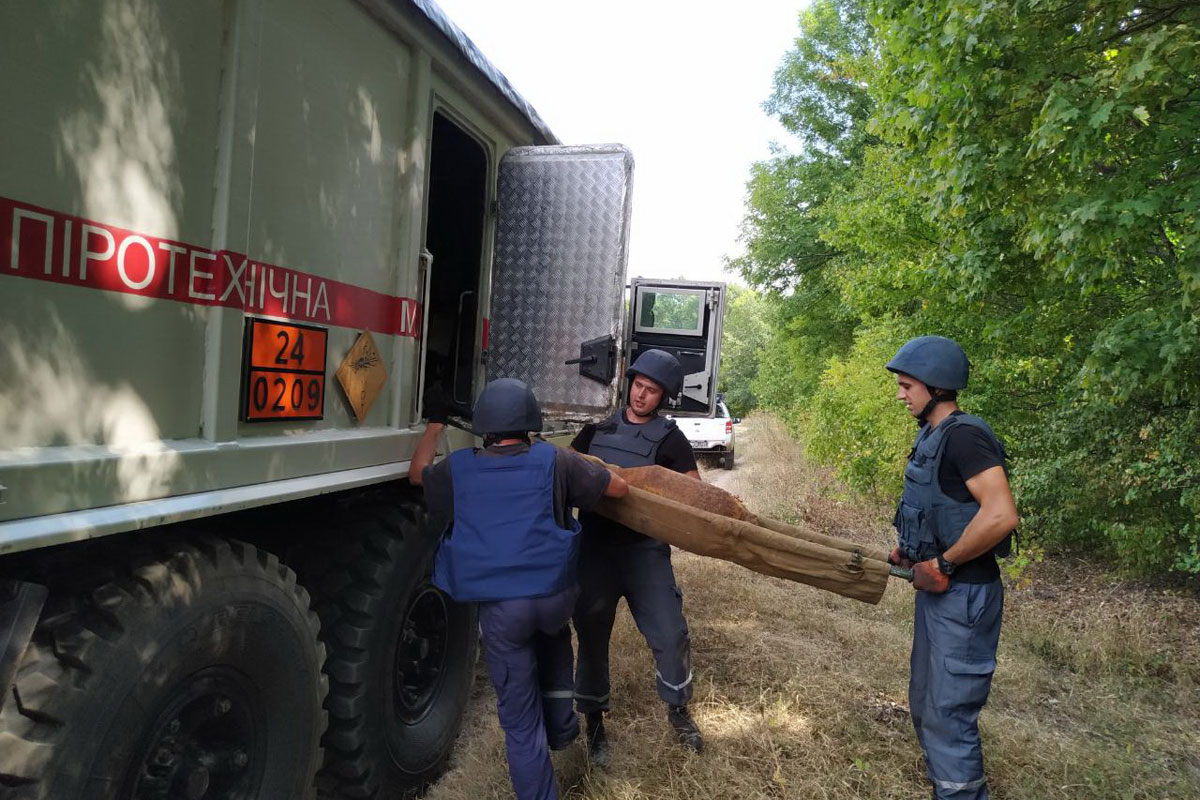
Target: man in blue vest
(955,516)
(511,546)
(616,561)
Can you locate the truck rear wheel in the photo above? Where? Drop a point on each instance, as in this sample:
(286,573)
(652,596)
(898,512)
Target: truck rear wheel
(727,460)
(401,653)
(192,673)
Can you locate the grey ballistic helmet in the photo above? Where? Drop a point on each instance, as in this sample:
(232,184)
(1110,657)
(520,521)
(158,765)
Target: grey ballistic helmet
(660,367)
(506,405)
(935,361)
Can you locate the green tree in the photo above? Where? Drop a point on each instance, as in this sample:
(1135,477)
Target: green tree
(744,338)
(1054,144)
(1021,175)
(821,99)
(855,420)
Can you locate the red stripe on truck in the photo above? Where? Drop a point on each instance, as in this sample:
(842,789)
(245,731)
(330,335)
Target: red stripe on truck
(46,245)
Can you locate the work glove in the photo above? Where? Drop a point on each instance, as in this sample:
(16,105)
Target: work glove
(897,558)
(928,578)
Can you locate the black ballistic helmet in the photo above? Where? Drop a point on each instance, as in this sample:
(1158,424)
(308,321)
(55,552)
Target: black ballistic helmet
(506,405)
(935,361)
(660,367)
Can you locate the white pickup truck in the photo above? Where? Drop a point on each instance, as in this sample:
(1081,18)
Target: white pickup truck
(711,436)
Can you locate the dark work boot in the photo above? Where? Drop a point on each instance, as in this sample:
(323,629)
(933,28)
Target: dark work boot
(685,728)
(597,740)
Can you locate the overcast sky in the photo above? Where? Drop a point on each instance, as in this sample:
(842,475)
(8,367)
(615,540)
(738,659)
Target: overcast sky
(680,83)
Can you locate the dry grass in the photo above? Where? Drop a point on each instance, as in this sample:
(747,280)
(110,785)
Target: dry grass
(801,693)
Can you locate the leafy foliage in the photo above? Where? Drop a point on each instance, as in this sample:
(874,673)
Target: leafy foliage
(820,97)
(743,342)
(1023,176)
(853,421)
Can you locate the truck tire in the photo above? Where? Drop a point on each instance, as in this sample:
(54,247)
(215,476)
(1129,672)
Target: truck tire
(401,654)
(193,672)
(727,460)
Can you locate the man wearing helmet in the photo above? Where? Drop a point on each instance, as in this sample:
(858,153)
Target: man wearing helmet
(616,562)
(511,546)
(955,516)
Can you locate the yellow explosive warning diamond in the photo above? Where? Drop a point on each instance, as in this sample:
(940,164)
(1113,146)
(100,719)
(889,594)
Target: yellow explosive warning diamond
(362,375)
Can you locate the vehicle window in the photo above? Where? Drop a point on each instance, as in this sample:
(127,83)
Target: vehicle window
(679,311)
(722,411)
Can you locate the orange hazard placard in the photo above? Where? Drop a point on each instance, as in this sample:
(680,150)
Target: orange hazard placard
(284,395)
(283,371)
(273,345)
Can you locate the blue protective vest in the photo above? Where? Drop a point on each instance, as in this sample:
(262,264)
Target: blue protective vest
(504,541)
(927,519)
(620,442)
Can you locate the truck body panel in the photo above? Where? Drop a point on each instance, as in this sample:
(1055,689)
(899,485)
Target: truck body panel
(241,243)
(213,161)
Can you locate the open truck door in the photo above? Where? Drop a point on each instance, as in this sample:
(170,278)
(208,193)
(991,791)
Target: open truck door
(684,318)
(558,275)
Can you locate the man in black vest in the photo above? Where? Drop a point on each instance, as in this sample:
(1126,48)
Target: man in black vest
(954,518)
(616,562)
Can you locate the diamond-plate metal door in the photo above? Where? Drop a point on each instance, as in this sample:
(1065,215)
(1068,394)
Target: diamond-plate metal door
(558,274)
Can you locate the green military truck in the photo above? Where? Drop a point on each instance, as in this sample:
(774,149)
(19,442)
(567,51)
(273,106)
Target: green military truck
(240,240)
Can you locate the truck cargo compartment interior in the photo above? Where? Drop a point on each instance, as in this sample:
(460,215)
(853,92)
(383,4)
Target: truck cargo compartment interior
(454,231)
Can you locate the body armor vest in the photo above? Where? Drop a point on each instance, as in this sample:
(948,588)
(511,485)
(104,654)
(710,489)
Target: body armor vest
(620,442)
(927,519)
(504,541)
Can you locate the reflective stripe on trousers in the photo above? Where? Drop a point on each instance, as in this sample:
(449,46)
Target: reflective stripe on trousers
(527,644)
(955,635)
(641,574)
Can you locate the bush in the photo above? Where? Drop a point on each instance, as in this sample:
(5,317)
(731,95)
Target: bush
(854,421)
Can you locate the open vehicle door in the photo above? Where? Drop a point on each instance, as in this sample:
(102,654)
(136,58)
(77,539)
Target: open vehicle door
(558,275)
(684,318)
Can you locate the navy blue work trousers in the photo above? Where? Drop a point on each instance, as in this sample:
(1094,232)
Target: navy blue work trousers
(641,573)
(527,644)
(955,635)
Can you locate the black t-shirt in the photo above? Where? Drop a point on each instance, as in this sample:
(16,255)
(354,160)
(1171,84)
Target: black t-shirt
(968,452)
(578,483)
(674,453)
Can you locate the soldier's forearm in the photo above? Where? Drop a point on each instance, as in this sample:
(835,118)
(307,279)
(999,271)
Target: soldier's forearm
(986,530)
(424,453)
(996,518)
